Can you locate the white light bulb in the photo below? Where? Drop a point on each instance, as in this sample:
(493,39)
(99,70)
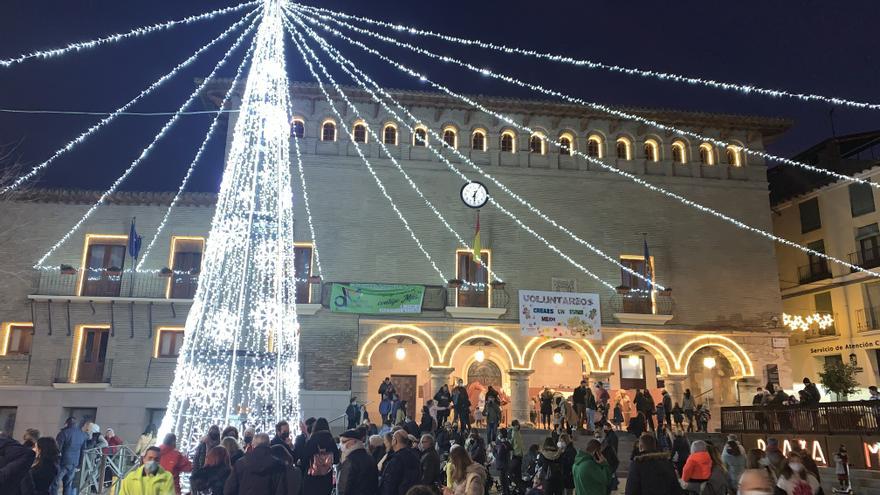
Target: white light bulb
(480,356)
(634,360)
(709,362)
(400,353)
(557,358)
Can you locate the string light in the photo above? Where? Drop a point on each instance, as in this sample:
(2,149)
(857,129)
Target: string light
(195,160)
(193,97)
(94,128)
(302,180)
(637,180)
(240,356)
(84,45)
(302,50)
(343,62)
(803,323)
(747,89)
(595,106)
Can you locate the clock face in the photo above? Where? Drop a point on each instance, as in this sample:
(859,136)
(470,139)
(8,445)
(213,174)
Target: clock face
(474,194)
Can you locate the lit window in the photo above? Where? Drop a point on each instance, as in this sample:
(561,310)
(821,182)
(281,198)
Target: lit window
(101,270)
(302,270)
(478,141)
(450,137)
(328,131)
(734,156)
(186,265)
(594,146)
(359,133)
(420,137)
(536,144)
(652,150)
(474,290)
(16,339)
(624,149)
(389,134)
(707,154)
(168,342)
(508,142)
(678,152)
(298,128)
(566,147)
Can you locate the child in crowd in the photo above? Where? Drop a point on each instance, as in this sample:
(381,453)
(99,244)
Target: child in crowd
(841,468)
(618,416)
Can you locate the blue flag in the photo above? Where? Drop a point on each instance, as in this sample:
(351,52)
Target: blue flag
(134,242)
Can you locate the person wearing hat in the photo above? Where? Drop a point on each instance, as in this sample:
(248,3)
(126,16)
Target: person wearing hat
(357,473)
(71,442)
(113,441)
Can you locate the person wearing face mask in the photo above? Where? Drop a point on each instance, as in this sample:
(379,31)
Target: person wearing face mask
(247,443)
(794,479)
(173,461)
(357,473)
(550,473)
(150,478)
(211,440)
(282,437)
(429,461)
(568,454)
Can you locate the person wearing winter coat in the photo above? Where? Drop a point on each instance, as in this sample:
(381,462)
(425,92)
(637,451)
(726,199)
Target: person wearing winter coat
(698,467)
(44,471)
(590,410)
(667,405)
(211,440)
(233,449)
(258,472)
(468,477)
(546,399)
(734,462)
(443,399)
(320,452)
(146,440)
(678,416)
(794,478)
(502,454)
(173,461)
(567,456)
(113,441)
(15,465)
(353,413)
(551,473)
(637,425)
(211,479)
(292,478)
(401,469)
(651,472)
(689,406)
(681,450)
(591,473)
(429,462)
(71,442)
(493,418)
(357,474)
(149,478)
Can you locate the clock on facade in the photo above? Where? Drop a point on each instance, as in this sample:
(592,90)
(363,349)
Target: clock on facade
(474,194)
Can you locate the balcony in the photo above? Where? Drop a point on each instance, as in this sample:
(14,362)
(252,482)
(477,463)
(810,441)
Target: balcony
(868,319)
(642,307)
(815,271)
(483,301)
(141,286)
(86,372)
(866,258)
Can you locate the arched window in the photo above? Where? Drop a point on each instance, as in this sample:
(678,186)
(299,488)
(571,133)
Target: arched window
(450,137)
(536,144)
(508,142)
(679,155)
(652,150)
(707,154)
(298,128)
(478,141)
(420,137)
(624,149)
(734,156)
(328,131)
(359,132)
(389,134)
(594,146)
(566,142)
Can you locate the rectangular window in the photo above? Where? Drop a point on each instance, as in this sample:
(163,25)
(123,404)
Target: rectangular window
(810,219)
(168,342)
(835,359)
(817,267)
(186,265)
(7,421)
(632,372)
(861,199)
(302,259)
(638,300)
(16,339)
(90,355)
(824,306)
(103,261)
(868,240)
(155,416)
(474,290)
(82,414)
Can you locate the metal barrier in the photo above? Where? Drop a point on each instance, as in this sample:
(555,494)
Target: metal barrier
(103,469)
(857,417)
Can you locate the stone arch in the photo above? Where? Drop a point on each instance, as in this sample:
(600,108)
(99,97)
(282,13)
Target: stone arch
(378,337)
(727,347)
(584,349)
(661,352)
(500,339)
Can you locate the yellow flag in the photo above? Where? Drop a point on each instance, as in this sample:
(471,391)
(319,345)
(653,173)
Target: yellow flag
(478,247)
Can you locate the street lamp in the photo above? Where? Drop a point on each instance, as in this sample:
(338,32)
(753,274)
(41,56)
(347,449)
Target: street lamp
(480,356)
(709,362)
(557,358)
(400,353)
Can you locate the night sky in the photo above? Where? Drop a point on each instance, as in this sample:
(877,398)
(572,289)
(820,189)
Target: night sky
(809,46)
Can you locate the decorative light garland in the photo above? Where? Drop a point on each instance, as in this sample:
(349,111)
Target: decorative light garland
(195,160)
(193,97)
(637,180)
(83,45)
(803,323)
(663,76)
(239,361)
(595,106)
(366,161)
(94,128)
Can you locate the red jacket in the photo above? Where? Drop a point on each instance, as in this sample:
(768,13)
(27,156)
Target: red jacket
(175,463)
(112,443)
(697,467)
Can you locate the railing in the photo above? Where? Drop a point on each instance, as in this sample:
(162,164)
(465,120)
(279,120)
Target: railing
(866,258)
(101,470)
(642,302)
(478,297)
(86,372)
(868,319)
(817,270)
(861,417)
(145,285)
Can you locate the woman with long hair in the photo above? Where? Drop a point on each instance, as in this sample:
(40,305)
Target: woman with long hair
(45,468)
(794,477)
(758,476)
(231,446)
(321,453)
(146,440)
(210,479)
(468,477)
(734,461)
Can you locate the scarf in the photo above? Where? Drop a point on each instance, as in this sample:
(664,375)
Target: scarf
(348,449)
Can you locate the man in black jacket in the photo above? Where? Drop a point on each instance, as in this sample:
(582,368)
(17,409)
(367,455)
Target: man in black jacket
(579,400)
(651,472)
(430,461)
(401,469)
(667,405)
(357,470)
(258,472)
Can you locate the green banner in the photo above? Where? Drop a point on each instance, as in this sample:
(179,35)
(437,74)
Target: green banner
(376,299)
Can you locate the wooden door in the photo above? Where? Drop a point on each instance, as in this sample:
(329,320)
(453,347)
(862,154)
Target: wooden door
(406,389)
(471,272)
(185,280)
(93,355)
(98,280)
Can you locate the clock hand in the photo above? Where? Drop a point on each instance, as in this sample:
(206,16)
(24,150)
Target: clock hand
(475,195)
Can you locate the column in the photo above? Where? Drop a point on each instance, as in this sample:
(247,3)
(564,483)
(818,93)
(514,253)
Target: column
(519,394)
(675,387)
(439,377)
(359,376)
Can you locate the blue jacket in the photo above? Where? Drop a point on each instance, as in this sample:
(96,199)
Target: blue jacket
(71,443)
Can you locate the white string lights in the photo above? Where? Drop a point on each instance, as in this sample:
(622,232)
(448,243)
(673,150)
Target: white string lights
(241,358)
(647,73)
(94,128)
(84,45)
(193,97)
(638,180)
(595,106)
(302,181)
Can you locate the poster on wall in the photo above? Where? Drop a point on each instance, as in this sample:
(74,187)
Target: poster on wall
(376,299)
(560,314)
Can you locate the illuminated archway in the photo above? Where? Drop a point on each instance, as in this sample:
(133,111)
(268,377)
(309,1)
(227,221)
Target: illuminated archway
(661,352)
(381,335)
(584,349)
(725,346)
(502,340)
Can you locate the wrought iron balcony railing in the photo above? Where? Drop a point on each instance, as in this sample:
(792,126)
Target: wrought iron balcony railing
(866,258)
(815,271)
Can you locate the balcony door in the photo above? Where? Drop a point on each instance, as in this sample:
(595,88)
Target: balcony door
(868,238)
(187,266)
(638,301)
(93,355)
(474,292)
(99,280)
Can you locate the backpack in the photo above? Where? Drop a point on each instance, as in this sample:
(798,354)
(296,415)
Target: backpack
(322,463)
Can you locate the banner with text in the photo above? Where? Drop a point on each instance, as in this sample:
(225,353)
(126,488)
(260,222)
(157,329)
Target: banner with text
(560,314)
(376,299)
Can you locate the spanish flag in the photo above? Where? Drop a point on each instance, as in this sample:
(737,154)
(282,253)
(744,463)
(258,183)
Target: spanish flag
(478,247)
